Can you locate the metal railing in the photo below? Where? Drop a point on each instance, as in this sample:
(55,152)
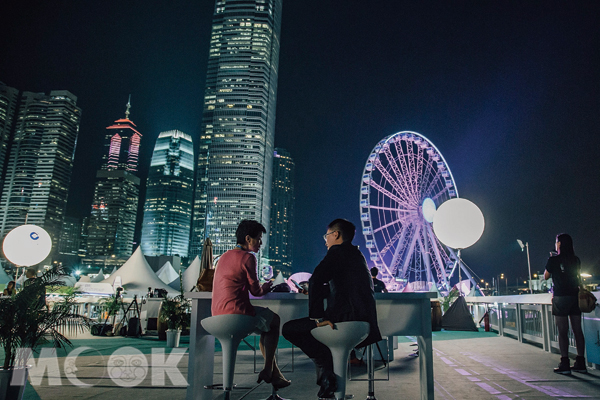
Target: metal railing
(527,318)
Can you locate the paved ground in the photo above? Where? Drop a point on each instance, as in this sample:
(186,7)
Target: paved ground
(473,365)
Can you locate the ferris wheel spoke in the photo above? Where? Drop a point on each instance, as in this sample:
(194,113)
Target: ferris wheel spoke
(433,178)
(410,151)
(388,209)
(405,231)
(438,195)
(408,255)
(430,188)
(390,243)
(438,258)
(418,165)
(390,179)
(404,166)
(419,168)
(400,178)
(423,245)
(386,226)
(386,192)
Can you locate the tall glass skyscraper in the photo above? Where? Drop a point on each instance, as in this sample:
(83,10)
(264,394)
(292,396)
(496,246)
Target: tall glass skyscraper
(40,163)
(238,122)
(281,231)
(8,109)
(116,193)
(169,196)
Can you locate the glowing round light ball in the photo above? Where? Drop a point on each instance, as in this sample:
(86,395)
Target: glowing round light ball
(428,209)
(458,223)
(27,245)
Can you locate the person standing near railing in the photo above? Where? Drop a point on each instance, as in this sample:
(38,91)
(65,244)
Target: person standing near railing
(564,270)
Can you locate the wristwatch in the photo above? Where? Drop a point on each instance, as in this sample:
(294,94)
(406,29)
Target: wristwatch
(319,320)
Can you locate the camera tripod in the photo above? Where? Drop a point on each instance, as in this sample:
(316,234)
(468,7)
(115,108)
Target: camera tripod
(101,330)
(136,314)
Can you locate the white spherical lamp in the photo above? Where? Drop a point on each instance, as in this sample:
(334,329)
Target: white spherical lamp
(458,223)
(27,245)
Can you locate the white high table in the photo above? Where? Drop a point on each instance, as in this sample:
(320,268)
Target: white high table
(398,314)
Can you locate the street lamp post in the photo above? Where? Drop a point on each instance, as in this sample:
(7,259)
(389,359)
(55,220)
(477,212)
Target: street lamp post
(523,246)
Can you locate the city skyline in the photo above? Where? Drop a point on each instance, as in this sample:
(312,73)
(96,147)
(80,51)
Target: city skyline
(507,91)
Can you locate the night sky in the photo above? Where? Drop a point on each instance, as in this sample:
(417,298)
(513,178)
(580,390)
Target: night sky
(508,91)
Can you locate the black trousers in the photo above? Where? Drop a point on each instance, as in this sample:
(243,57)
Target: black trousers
(297,331)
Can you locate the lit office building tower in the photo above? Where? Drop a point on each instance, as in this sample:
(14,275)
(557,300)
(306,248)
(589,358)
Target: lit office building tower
(70,237)
(83,237)
(238,122)
(169,196)
(8,107)
(281,251)
(116,194)
(40,163)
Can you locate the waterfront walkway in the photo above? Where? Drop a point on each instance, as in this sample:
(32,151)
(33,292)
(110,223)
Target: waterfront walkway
(467,365)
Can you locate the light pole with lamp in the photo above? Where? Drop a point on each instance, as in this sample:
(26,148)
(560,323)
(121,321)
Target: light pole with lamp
(523,246)
(458,223)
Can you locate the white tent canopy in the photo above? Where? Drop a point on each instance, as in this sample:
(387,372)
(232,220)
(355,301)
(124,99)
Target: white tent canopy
(4,278)
(137,275)
(167,273)
(190,276)
(99,277)
(68,280)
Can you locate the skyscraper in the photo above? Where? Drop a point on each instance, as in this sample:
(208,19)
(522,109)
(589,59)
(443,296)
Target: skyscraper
(238,122)
(40,162)
(116,193)
(281,249)
(70,237)
(8,109)
(169,196)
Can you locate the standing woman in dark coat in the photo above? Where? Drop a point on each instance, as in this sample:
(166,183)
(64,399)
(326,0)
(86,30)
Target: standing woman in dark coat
(564,269)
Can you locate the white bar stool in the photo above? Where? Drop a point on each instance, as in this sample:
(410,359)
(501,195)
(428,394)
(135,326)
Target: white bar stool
(341,341)
(230,329)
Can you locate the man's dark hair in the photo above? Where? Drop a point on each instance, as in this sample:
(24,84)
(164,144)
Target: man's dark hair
(374,272)
(344,227)
(248,227)
(31,273)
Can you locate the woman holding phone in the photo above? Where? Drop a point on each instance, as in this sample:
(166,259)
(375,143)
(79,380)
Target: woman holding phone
(564,270)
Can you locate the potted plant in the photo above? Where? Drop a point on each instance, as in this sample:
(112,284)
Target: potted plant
(174,312)
(26,322)
(111,306)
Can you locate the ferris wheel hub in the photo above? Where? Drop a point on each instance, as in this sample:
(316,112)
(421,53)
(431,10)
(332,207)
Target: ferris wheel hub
(428,208)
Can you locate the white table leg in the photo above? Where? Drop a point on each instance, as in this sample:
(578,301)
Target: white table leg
(426,367)
(201,357)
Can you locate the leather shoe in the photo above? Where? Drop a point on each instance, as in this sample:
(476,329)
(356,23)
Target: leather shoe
(328,385)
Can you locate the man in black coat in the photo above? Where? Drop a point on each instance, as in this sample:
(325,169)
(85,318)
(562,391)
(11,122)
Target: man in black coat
(340,289)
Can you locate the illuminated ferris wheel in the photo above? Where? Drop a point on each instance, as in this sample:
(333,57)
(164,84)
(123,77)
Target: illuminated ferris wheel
(404,181)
